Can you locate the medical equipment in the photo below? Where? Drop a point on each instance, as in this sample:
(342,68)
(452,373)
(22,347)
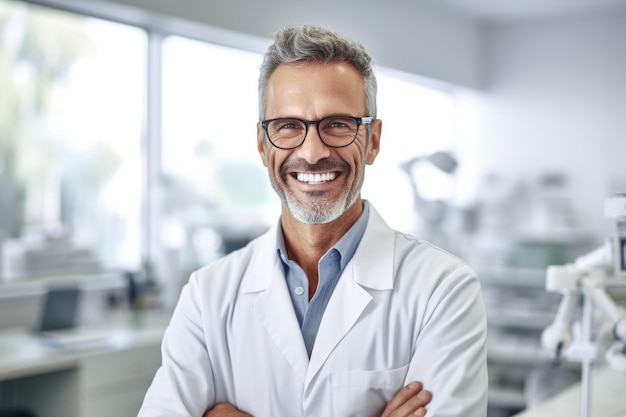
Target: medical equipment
(588,279)
(431,212)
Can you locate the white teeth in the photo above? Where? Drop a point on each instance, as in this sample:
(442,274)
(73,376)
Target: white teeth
(316,178)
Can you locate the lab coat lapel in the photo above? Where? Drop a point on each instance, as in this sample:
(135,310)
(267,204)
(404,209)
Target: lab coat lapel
(371,267)
(344,308)
(273,305)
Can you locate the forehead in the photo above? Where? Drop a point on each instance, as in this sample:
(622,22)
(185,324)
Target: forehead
(315,87)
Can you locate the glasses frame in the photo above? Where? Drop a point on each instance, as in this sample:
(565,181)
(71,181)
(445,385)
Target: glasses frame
(365,120)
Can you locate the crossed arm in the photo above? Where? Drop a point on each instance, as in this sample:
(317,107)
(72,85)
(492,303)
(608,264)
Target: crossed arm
(409,401)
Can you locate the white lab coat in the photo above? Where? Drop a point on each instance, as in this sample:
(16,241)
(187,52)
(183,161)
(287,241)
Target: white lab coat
(402,310)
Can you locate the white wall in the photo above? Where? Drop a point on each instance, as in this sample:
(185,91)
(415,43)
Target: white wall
(408,36)
(556,100)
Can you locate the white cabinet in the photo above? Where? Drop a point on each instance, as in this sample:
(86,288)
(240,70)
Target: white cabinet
(47,394)
(114,383)
(106,380)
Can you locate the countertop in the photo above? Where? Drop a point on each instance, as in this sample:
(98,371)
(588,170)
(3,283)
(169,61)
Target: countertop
(608,398)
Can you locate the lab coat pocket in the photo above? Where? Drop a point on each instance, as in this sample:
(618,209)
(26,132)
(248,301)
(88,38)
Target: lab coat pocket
(365,393)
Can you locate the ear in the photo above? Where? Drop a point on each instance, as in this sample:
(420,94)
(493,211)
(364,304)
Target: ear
(373,145)
(260,143)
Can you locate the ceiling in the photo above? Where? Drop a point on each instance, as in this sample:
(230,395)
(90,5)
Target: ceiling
(494,10)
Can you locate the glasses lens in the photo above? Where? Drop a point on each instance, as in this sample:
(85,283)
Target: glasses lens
(286,133)
(338,131)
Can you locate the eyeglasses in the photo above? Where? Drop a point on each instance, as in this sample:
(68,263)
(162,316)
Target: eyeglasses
(335,131)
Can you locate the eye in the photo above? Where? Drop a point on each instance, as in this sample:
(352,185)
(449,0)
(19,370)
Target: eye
(339,125)
(336,124)
(287,126)
(283,125)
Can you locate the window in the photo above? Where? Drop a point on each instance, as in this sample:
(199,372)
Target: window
(417,121)
(216,194)
(71,113)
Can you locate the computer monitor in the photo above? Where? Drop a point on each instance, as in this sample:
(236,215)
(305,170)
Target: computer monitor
(60,309)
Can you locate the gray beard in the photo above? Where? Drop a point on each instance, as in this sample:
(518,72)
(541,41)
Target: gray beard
(319,211)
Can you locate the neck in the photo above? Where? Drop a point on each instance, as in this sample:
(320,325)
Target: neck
(307,243)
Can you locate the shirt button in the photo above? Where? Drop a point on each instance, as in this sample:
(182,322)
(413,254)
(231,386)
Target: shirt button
(299,290)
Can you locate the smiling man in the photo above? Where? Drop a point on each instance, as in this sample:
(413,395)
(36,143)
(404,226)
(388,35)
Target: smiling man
(331,312)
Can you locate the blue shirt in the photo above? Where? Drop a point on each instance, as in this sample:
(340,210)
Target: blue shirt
(330,267)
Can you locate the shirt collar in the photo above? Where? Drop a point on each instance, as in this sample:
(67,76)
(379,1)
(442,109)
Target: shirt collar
(346,246)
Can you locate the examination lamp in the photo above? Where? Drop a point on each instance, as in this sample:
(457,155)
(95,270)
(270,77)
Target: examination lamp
(441,159)
(433,211)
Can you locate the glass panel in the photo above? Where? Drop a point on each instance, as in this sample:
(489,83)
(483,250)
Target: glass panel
(417,121)
(216,194)
(71,113)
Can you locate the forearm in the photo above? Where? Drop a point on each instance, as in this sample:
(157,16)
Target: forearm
(225,410)
(411,400)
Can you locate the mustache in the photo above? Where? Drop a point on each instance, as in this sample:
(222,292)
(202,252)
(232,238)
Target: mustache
(324,165)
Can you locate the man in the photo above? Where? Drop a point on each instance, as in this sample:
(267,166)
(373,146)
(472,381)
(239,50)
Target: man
(330,313)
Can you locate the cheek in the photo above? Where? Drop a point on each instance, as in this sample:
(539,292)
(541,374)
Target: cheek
(274,162)
(357,156)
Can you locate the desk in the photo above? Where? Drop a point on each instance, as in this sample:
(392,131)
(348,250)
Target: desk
(608,398)
(107,376)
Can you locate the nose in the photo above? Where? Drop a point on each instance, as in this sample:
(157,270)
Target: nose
(313,149)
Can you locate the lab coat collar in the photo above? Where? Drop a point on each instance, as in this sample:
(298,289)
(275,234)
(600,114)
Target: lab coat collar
(372,263)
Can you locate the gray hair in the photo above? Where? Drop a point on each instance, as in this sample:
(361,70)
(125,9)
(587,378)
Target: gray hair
(314,44)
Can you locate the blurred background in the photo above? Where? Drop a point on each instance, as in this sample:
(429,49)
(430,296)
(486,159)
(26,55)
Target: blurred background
(128,159)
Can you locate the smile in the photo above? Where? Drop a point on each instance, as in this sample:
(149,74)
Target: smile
(316,178)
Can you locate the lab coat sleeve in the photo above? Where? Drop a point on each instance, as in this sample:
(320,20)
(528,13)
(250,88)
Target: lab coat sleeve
(450,355)
(183,385)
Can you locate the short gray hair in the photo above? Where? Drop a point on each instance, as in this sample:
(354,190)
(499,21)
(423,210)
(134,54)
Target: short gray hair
(315,44)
